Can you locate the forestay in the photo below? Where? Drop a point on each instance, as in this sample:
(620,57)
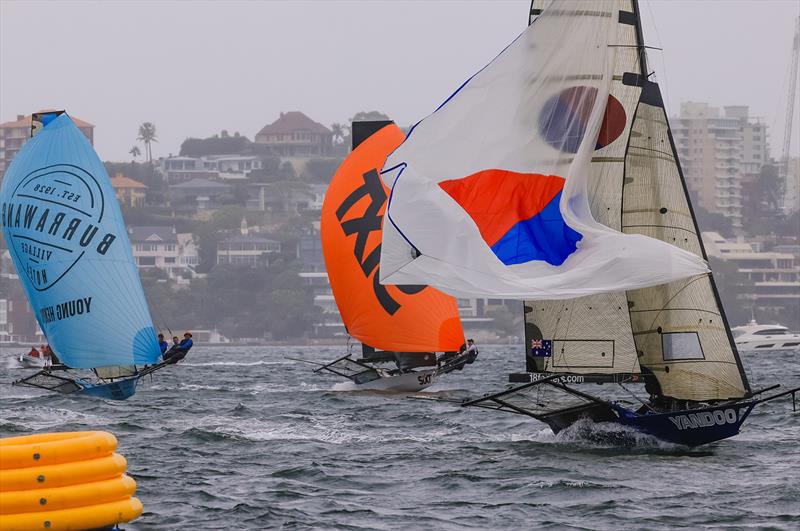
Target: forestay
(490,192)
(66,236)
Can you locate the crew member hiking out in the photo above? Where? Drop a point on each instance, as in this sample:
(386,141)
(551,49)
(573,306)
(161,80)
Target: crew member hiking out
(472,351)
(179,351)
(162,344)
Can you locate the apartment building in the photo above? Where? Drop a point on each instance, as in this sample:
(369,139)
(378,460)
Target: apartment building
(163,248)
(15,133)
(721,154)
(774,275)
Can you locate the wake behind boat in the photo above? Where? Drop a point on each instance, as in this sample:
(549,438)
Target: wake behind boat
(401,328)
(562,188)
(68,242)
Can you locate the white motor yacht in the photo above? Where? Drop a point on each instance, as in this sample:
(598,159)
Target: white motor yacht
(753,337)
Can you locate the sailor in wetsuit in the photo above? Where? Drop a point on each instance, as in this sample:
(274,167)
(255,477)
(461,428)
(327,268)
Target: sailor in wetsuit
(162,344)
(472,351)
(447,356)
(179,351)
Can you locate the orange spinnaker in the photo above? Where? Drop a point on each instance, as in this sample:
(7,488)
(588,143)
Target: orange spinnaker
(394,318)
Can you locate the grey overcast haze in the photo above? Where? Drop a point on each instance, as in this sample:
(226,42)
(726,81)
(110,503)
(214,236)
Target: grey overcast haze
(195,68)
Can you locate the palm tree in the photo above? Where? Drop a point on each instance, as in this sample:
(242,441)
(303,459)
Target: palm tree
(135,152)
(338,132)
(147,135)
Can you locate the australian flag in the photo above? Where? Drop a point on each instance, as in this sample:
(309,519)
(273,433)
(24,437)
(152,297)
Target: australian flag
(542,348)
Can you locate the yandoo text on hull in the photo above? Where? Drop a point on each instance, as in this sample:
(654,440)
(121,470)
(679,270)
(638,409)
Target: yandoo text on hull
(67,239)
(551,176)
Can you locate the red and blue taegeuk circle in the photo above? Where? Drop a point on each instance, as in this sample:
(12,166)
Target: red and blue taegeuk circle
(563,119)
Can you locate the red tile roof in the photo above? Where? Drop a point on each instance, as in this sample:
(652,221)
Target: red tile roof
(292,121)
(120,181)
(26,121)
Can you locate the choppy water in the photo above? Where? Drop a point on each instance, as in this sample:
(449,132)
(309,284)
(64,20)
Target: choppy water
(240,438)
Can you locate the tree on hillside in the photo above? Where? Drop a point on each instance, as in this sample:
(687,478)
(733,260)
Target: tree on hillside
(712,221)
(269,172)
(363,116)
(340,131)
(147,135)
(320,170)
(216,145)
(286,171)
(732,286)
(768,190)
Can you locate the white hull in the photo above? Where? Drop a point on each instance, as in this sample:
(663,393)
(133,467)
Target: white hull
(30,362)
(402,383)
(753,337)
(770,346)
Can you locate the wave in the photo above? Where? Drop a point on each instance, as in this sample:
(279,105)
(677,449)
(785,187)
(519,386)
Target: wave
(44,416)
(235,363)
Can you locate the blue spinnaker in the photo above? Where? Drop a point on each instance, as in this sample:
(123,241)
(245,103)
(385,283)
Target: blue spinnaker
(65,232)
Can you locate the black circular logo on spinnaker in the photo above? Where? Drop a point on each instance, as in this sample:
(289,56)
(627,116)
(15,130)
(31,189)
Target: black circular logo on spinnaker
(53,219)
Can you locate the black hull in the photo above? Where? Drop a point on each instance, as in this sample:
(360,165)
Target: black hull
(689,426)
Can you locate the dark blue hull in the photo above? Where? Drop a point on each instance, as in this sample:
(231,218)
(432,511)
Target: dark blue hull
(691,427)
(119,390)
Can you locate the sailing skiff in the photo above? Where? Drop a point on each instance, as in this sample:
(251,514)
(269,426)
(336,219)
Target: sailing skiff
(401,328)
(551,176)
(67,239)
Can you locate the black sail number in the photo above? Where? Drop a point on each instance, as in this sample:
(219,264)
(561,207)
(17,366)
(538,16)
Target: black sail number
(362,227)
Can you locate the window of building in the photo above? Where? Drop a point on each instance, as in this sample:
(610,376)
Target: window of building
(169,260)
(146,260)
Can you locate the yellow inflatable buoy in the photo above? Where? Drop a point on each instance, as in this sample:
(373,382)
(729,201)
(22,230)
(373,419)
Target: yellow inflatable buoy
(64,481)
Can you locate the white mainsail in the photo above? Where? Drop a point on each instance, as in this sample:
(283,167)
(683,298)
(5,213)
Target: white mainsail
(680,330)
(527,127)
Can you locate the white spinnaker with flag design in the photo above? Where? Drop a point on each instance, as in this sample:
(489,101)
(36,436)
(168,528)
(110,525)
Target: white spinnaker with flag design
(535,112)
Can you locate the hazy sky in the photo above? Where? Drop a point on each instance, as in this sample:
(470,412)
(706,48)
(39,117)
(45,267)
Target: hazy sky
(194,68)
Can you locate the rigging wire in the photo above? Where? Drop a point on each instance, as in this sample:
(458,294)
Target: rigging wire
(662,55)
